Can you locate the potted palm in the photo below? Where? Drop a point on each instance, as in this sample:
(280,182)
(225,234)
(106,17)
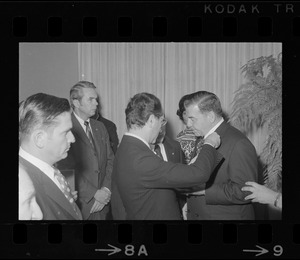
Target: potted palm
(259,102)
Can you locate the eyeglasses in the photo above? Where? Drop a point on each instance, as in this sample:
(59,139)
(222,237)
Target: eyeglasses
(164,121)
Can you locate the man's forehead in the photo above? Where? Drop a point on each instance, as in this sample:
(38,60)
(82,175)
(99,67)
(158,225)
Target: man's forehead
(89,92)
(64,119)
(63,116)
(193,108)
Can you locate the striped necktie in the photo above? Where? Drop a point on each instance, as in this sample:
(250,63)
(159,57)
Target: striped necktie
(65,187)
(89,134)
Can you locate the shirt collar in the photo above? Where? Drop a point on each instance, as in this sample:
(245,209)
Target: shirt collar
(43,166)
(214,128)
(81,121)
(138,137)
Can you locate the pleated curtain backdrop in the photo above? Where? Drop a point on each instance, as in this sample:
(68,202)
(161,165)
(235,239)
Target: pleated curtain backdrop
(169,71)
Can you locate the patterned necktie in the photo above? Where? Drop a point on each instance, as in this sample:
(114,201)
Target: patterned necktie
(65,187)
(157,151)
(89,134)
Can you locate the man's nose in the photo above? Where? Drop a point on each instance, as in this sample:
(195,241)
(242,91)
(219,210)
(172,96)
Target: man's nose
(71,138)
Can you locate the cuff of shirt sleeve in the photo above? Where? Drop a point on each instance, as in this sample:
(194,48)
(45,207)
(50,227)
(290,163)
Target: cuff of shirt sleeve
(107,189)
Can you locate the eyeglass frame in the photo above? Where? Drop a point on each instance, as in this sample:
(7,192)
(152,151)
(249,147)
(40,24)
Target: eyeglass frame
(164,121)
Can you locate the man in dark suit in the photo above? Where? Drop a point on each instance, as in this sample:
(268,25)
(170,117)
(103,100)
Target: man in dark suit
(143,184)
(110,127)
(91,156)
(221,198)
(45,137)
(170,151)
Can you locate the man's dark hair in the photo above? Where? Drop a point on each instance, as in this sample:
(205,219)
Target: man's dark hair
(206,102)
(181,108)
(140,107)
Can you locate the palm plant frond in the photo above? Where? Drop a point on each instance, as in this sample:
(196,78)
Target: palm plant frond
(259,102)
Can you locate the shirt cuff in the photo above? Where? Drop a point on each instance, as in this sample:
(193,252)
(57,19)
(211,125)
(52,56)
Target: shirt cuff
(107,189)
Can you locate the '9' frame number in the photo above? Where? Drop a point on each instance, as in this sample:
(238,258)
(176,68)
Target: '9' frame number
(278,250)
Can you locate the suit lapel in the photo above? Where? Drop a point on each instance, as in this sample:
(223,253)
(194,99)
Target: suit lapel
(79,132)
(222,129)
(49,187)
(98,138)
(56,194)
(169,151)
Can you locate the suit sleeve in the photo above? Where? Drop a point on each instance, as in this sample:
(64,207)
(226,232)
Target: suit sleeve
(242,167)
(114,138)
(109,162)
(181,155)
(117,206)
(155,173)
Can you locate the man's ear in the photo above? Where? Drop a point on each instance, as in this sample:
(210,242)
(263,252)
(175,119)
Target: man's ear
(211,116)
(39,138)
(76,103)
(151,121)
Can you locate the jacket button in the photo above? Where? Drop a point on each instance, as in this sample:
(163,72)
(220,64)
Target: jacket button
(197,215)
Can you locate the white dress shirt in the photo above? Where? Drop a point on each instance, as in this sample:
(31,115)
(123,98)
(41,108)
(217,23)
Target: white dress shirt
(214,128)
(163,151)
(81,121)
(43,166)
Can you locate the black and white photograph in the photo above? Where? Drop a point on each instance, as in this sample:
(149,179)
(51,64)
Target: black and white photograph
(163,131)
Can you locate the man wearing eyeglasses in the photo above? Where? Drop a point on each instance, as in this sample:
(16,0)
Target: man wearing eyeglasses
(143,184)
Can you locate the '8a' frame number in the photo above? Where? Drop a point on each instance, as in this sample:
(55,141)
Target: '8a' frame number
(131,250)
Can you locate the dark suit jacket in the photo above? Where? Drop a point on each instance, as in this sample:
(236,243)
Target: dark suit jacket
(112,132)
(173,150)
(92,170)
(176,155)
(49,197)
(144,183)
(224,199)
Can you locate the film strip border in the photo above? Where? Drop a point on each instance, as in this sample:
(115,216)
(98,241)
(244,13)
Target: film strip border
(176,20)
(155,240)
(132,21)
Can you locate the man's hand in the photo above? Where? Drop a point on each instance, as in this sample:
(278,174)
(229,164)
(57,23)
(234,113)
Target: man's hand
(260,193)
(103,195)
(213,139)
(98,206)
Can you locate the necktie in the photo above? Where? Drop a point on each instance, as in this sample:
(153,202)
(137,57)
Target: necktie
(65,188)
(89,134)
(157,151)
